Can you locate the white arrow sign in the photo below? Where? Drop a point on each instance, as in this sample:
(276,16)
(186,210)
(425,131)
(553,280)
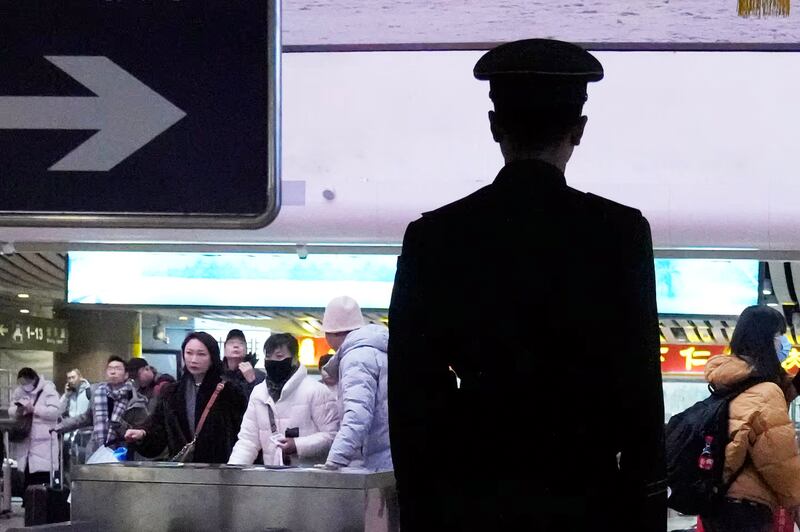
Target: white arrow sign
(126,113)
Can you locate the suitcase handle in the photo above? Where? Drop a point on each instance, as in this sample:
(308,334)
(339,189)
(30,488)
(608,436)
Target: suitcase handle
(60,444)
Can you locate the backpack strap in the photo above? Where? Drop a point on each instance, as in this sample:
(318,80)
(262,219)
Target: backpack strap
(730,394)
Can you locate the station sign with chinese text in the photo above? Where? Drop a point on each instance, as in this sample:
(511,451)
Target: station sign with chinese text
(688,359)
(33,334)
(683,359)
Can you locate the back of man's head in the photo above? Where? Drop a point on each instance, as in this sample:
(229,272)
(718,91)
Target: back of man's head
(538,87)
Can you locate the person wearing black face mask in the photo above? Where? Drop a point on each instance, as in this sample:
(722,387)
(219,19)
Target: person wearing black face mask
(291,417)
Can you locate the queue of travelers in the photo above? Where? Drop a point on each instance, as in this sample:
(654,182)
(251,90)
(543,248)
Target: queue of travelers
(341,420)
(224,410)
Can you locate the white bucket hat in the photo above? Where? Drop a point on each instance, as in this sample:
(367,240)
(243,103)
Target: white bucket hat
(342,314)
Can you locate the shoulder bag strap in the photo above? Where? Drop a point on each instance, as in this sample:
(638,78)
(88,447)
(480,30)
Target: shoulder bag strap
(272,425)
(210,403)
(36,400)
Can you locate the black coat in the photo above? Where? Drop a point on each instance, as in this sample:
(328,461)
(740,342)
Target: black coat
(236,377)
(542,299)
(168,427)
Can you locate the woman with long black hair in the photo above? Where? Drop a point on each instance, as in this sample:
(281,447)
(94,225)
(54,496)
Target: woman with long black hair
(762,457)
(198,408)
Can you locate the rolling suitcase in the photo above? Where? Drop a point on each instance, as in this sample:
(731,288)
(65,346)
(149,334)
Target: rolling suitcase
(45,504)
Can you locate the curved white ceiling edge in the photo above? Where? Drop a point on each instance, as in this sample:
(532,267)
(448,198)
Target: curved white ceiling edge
(701,142)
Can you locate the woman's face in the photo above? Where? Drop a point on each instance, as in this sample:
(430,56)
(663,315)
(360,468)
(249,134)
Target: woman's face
(26,384)
(196,357)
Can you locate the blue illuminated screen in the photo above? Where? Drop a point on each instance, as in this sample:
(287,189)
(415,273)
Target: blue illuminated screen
(283,280)
(229,279)
(706,286)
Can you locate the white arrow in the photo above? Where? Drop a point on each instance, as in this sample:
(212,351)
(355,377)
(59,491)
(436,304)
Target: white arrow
(126,113)
(3,330)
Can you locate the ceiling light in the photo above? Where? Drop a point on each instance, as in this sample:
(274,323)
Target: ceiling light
(307,352)
(23,296)
(183,318)
(308,327)
(24,311)
(314,322)
(773,304)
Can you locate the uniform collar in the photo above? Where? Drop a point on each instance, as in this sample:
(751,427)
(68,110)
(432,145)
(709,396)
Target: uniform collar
(532,174)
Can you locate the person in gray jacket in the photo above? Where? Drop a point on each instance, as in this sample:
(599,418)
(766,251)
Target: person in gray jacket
(360,369)
(75,400)
(74,403)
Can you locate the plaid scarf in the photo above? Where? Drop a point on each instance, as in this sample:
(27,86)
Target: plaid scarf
(121,396)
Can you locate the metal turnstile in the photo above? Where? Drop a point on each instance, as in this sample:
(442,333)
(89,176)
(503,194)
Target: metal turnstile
(168,497)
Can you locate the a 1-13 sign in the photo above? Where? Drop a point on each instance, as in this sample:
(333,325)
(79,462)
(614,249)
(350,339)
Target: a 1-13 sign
(139,113)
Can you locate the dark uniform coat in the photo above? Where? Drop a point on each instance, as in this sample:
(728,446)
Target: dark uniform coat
(168,427)
(542,299)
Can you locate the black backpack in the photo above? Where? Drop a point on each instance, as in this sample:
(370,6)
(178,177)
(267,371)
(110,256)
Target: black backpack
(695,490)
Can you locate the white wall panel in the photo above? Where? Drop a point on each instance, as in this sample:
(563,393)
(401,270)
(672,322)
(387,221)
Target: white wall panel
(703,143)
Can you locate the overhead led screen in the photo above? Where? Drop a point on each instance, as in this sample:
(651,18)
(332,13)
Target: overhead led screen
(229,279)
(706,287)
(283,280)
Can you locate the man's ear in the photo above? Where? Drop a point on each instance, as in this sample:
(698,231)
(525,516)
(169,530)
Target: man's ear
(498,132)
(576,134)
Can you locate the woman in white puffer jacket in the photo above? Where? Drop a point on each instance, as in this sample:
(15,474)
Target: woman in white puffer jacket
(304,418)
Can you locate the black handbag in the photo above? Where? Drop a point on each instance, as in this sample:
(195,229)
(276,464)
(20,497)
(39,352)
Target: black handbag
(22,425)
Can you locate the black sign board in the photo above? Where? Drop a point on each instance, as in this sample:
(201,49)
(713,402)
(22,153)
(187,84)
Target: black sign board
(139,113)
(33,334)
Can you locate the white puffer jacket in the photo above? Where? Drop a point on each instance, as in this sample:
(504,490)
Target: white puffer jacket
(34,451)
(304,404)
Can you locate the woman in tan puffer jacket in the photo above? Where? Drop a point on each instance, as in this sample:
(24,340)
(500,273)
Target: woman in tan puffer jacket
(763,449)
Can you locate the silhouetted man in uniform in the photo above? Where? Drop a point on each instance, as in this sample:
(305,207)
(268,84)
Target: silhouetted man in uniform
(542,299)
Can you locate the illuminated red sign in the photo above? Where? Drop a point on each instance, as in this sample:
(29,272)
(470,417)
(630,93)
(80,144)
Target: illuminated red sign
(688,359)
(691,359)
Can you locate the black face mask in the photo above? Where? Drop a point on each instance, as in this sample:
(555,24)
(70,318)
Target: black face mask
(278,370)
